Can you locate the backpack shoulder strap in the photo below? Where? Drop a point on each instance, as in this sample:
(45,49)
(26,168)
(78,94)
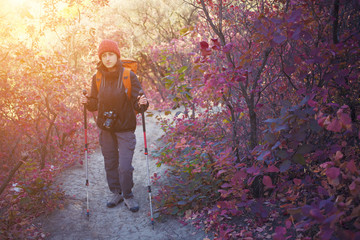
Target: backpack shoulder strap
(98,79)
(127,81)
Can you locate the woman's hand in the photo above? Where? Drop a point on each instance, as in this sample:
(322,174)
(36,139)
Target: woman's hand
(142,101)
(84,99)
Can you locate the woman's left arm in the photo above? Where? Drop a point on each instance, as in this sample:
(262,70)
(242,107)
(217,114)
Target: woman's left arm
(138,97)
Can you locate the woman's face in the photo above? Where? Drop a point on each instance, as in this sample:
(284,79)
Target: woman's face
(109,59)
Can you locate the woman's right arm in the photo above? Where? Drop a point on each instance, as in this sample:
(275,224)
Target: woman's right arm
(92,100)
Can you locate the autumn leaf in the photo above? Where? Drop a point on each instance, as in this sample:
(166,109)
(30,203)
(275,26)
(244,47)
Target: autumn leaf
(332,172)
(240,79)
(268,182)
(272,168)
(321,121)
(334,125)
(204,45)
(279,233)
(338,156)
(205,52)
(285,166)
(297,181)
(227,48)
(355,187)
(352,167)
(316,213)
(279,39)
(312,103)
(333,175)
(344,118)
(264,155)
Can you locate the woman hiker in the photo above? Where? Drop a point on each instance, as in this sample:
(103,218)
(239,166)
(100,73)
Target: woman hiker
(117,122)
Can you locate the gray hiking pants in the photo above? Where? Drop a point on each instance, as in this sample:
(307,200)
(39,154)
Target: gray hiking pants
(118,150)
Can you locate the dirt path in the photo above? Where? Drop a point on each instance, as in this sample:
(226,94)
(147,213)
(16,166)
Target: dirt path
(115,223)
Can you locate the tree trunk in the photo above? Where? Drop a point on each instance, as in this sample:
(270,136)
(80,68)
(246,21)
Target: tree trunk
(335,15)
(253,126)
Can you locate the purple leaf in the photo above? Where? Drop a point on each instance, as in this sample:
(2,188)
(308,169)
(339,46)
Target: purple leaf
(326,233)
(285,166)
(296,34)
(316,214)
(322,191)
(272,169)
(226,185)
(279,39)
(333,172)
(280,233)
(227,48)
(253,170)
(267,182)
(264,155)
(240,79)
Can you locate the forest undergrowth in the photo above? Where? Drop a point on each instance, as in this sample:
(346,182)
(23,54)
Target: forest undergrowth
(263,196)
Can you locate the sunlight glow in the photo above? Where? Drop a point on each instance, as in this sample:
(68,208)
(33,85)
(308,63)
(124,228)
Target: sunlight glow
(17,5)
(17,2)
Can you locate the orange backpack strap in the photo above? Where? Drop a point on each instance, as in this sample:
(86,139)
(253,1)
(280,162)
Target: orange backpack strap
(98,79)
(125,79)
(127,82)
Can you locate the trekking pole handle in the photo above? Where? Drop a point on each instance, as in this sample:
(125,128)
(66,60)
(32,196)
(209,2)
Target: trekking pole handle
(85,117)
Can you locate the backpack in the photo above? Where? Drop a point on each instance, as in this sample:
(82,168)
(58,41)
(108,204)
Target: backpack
(129,65)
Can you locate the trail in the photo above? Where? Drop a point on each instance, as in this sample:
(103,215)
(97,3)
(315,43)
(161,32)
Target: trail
(113,223)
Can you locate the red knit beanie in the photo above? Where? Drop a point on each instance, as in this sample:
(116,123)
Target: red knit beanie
(108,46)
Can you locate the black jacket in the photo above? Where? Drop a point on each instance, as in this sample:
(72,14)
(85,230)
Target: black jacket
(112,97)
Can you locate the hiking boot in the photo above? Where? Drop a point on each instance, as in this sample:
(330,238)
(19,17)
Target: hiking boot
(131,204)
(115,200)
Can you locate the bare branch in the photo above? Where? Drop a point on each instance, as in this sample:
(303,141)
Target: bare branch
(12,173)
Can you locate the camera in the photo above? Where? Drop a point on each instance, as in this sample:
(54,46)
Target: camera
(110,118)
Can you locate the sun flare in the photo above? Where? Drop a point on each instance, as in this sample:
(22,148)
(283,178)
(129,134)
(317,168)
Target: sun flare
(17,6)
(17,2)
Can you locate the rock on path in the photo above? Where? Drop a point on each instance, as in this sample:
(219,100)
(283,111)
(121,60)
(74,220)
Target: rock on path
(112,223)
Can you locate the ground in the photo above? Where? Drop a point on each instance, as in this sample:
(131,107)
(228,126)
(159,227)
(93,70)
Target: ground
(71,222)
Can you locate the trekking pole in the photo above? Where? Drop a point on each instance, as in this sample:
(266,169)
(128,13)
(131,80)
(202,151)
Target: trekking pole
(148,169)
(86,160)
